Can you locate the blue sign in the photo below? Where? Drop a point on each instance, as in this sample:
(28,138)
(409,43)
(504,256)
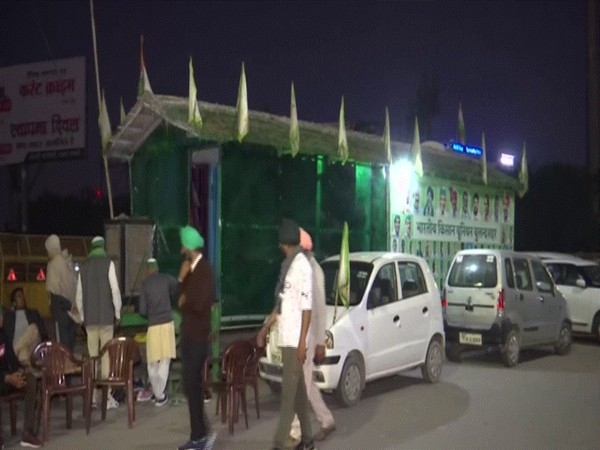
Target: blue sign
(467,149)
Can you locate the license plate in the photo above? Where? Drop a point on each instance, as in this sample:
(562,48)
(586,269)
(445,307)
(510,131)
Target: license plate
(470,338)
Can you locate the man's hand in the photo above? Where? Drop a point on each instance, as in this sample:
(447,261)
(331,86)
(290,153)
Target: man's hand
(319,353)
(181,300)
(16,379)
(185,268)
(301,353)
(261,337)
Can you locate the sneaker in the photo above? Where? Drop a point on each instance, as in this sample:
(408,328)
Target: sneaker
(111,403)
(161,401)
(324,432)
(291,442)
(193,445)
(145,395)
(29,440)
(305,446)
(210,441)
(207,396)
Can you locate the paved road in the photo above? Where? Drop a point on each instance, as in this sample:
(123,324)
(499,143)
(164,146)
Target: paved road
(547,401)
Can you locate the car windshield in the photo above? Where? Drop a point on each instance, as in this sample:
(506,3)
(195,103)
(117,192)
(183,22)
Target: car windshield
(360,272)
(473,271)
(592,274)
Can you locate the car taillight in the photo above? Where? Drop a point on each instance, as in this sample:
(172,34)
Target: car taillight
(500,302)
(444,300)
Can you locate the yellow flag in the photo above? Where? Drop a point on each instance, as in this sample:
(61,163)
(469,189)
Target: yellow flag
(294,128)
(104,123)
(342,140)
(387,142)
(242,107)
(194,116)
(462,133)
(483,160)
(343,281)
(123,114)
(523,174)
(144,83)
(416,150)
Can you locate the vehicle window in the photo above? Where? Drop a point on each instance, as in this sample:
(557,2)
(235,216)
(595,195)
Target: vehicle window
(557,271)
(383,290)
(473,271)
(412,279)
(543,281)
(571,275)
(591,274)
(522,274)
(360,273)
(510,276)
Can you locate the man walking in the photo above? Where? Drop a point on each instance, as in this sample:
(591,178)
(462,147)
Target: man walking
(315,347)
(293,314)
(197,295)
(156,293)
(61,283)
(98,300)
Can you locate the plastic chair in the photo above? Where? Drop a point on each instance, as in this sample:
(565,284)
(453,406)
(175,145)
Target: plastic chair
(123,353)
(251,375)
(13,398)
(231,386)
(56,364)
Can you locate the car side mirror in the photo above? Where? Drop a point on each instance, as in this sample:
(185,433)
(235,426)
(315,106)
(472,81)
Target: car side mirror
(580,283)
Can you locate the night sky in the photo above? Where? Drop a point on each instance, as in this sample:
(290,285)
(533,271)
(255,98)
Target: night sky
(517,67)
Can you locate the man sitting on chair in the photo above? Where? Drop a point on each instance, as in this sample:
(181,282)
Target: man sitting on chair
(24,327)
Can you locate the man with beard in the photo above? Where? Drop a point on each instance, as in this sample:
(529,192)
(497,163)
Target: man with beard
(197,295)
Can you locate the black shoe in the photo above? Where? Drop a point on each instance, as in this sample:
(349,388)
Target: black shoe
(305,446)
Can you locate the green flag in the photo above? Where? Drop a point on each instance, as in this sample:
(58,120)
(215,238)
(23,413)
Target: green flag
(242,107)
(294,129)
(342,140)
(483,160)
(123,114)
(523,174)
(194,116)
(144,83)
(462,134)
(343,280)
(416,150)
(387,142)
(104,123)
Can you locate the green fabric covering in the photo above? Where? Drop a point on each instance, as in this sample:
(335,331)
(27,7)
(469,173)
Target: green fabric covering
(190,238)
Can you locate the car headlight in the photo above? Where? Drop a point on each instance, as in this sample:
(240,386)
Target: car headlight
(328,339)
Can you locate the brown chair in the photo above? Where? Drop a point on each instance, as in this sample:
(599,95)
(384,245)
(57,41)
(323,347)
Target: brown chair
(13,398)
(230,388)
(56,364)
(123,353)
(251,375)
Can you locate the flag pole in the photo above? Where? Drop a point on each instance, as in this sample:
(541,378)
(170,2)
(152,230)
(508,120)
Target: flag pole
(104,159)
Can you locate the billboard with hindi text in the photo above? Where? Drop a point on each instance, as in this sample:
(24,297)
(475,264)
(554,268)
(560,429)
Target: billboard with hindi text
(42,111)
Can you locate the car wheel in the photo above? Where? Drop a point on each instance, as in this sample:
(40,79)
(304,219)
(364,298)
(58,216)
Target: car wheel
(511,349)
(351,382)
(565,340)
(453,352)
(274,386)
(432,367)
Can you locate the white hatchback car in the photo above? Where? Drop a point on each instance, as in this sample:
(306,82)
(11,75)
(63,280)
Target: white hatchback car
(394,322)
(579,281)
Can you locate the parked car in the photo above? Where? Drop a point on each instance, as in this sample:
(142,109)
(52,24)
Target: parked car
(497,299)
(393,323)
(579,281)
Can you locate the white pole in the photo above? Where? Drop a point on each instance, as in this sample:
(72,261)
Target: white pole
(104,159)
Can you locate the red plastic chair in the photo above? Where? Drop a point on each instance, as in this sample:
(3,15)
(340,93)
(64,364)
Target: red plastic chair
(56,364)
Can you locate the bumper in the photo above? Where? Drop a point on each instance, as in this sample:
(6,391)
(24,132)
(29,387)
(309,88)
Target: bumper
(326,375)
(492,337)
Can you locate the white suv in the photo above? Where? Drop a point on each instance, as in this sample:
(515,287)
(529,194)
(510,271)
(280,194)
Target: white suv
(579,281)
(394,322)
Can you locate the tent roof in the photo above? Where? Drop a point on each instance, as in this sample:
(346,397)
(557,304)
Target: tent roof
(219,125)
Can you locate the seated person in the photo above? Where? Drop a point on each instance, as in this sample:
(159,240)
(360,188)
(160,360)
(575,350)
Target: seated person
(24,327)
(13,377)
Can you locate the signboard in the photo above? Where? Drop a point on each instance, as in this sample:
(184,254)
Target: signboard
(42,110)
